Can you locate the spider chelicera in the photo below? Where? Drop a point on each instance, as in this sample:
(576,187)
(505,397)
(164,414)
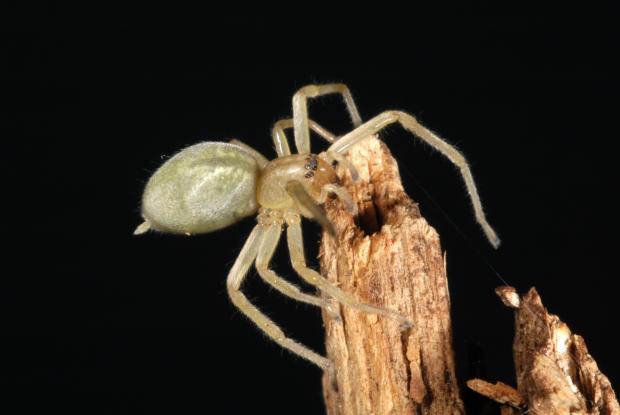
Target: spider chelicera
(211,185)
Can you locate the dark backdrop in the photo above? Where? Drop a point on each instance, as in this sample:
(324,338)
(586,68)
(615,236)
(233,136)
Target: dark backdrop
(99,321)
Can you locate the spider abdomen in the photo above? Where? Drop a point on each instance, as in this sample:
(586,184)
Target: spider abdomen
(205,187)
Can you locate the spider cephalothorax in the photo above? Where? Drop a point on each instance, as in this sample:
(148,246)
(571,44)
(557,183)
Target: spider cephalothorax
(310,171)
(211,185)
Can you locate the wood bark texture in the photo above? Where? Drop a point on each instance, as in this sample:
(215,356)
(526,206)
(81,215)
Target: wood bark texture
(555,373)
(388,256)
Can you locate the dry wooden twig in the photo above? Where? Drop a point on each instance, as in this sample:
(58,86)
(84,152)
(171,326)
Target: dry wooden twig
(392,258)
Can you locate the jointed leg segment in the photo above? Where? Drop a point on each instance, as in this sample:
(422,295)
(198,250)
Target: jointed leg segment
(261,245)
(308,206)
(269,243)
(281,141)
(235,278)
(298,260)
(376,124)
(300,110)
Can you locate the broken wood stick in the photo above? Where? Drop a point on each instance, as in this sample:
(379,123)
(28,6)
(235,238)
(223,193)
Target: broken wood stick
(390,257)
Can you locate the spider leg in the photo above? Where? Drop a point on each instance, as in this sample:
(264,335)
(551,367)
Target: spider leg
(298,260)
(384,119)
(235,278)
(281,141)
(271,237)
(308,206)
(260,159)
(300,110)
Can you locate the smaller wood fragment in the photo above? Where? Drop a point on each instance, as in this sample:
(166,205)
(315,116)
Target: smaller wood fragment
(499,392)
(555,373)
(509,296)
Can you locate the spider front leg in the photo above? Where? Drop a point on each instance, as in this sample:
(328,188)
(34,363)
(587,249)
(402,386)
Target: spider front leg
(309,207)
(271,237)
(379,122)
(300,110)
(235,278)
(281,141)
(298,260)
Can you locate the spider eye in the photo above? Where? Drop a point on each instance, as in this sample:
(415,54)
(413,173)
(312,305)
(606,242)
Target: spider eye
(311,163)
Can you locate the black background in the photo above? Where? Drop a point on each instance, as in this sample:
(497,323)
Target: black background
(99,321)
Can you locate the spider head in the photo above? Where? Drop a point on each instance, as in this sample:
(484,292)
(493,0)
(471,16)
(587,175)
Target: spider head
(316,174)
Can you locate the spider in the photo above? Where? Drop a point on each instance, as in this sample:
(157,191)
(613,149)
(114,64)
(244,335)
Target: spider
(211,185)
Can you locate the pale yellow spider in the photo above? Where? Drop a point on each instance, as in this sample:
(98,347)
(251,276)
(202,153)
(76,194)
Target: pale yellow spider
(212,185)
